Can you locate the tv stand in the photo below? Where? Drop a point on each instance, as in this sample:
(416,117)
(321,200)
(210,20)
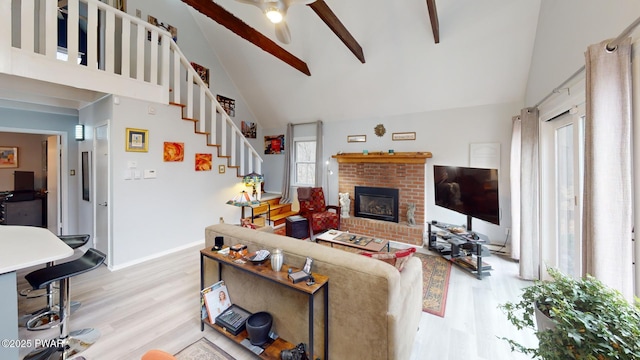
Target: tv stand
(465,248)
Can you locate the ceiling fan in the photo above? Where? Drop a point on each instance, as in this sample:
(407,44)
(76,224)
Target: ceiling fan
(276,11)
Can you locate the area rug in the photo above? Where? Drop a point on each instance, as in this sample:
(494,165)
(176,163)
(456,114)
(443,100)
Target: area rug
(203,349)
(280,231)
(435,281)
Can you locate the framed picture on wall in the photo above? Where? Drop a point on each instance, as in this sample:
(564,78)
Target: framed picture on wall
(274,144)
(8,157)
(137,140)
(202,72)
(229,105)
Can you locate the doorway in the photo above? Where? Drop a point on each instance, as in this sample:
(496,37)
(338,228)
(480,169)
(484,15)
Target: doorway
(49,149)
(562,164)
(102,214)
(54,145)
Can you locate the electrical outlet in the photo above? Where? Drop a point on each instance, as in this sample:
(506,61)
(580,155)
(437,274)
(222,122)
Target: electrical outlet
(139,13)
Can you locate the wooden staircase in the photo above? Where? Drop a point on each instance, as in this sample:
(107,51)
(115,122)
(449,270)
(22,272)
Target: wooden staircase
(277,212)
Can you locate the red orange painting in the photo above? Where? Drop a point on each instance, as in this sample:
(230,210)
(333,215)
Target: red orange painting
(203,162)
(173,151)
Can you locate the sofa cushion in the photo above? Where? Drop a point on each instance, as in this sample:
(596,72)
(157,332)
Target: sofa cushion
(397,259)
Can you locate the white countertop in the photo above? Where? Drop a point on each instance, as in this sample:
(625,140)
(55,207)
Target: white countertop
(25,246)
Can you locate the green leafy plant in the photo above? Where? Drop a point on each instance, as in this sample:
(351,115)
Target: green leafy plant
(591,321)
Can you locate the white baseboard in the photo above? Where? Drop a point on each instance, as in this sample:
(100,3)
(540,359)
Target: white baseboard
(156,255)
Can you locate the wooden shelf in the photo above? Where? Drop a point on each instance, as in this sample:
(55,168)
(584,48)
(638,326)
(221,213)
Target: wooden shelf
(271,352)
(264,271)
(384,157)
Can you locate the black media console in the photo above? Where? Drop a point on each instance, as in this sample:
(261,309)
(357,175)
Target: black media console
(461,247)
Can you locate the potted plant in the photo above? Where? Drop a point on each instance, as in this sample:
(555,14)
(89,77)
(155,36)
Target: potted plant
(588,320)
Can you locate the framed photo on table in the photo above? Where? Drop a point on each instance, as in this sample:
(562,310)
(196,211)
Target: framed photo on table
(137,140)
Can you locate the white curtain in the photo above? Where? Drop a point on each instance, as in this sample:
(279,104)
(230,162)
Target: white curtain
(286,178)
(516,134)
(608,193)
(529,195)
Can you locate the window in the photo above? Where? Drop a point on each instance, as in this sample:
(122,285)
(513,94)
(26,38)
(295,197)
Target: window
(305,161)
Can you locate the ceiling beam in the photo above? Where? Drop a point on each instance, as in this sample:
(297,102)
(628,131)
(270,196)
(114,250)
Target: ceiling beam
(433,17)
(326,14)
(218,14)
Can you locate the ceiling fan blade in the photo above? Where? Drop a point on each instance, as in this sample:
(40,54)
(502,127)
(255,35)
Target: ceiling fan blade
(223,17)
(282,32)
(262,4)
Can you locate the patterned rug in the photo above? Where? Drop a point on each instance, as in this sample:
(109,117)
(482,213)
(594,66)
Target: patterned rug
(435,281)
(203,349)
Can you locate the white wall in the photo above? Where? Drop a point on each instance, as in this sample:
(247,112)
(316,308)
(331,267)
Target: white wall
(155,216)
(446,134)
(565,29)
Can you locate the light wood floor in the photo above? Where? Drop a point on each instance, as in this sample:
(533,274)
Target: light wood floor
(155,305)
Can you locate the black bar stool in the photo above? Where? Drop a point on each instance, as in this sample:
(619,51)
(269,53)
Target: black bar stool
(68,344)
(46,317)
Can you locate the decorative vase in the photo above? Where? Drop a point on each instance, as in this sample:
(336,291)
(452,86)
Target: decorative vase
(277,259)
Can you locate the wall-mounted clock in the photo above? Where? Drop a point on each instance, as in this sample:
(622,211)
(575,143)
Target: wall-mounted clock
(379,130)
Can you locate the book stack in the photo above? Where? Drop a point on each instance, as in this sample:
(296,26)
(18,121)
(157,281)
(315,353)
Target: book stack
(217,307)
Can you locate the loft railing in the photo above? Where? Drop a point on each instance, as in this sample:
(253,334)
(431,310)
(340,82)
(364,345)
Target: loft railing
(90,45)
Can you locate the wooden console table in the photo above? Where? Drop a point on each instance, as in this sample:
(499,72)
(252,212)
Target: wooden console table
(264,271)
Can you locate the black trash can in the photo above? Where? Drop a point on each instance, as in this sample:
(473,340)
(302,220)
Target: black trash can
(258,327)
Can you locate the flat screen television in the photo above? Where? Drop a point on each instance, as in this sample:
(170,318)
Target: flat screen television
(468,191)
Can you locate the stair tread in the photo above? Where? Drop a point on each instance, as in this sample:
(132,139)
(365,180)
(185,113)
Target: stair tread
(279,206)
(283,215)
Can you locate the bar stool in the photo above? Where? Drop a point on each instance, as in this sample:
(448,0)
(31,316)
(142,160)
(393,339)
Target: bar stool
(68,343)
(46,318)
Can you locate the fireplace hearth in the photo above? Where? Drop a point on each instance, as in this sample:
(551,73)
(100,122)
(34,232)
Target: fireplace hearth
(376,203)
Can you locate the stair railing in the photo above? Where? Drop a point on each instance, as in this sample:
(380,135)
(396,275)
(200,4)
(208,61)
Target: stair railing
(107,50)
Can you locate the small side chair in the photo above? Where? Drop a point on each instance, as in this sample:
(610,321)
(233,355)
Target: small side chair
(321,217)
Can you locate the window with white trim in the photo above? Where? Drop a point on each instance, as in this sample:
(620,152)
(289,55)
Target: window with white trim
(304,161)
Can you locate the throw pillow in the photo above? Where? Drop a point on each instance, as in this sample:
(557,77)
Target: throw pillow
(397,259)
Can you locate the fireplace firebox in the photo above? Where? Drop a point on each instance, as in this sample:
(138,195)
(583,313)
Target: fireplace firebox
(376,203)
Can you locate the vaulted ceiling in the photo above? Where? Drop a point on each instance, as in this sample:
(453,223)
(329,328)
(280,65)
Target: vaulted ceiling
(483,57)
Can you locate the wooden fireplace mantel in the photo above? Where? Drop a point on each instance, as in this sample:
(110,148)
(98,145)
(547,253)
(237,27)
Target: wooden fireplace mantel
(383,157)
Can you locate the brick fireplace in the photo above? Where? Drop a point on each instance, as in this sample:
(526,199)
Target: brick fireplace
(402,171)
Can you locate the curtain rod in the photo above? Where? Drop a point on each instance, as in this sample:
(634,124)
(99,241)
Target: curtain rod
(557,88)
(307,123)
(611,46)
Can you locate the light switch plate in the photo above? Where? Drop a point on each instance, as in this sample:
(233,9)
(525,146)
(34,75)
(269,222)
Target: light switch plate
(149,174)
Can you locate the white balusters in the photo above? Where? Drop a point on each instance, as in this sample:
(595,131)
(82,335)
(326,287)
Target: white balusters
(125,63)
(27,29)
(159,66)
(51,28)
(92,35)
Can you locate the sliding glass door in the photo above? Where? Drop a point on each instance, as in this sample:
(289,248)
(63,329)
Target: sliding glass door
(562,155)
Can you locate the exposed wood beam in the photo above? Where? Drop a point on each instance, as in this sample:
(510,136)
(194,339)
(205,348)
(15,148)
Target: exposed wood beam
(218,14)
(326,14)
(433,17)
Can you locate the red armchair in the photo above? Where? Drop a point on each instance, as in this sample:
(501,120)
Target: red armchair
(317,213)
